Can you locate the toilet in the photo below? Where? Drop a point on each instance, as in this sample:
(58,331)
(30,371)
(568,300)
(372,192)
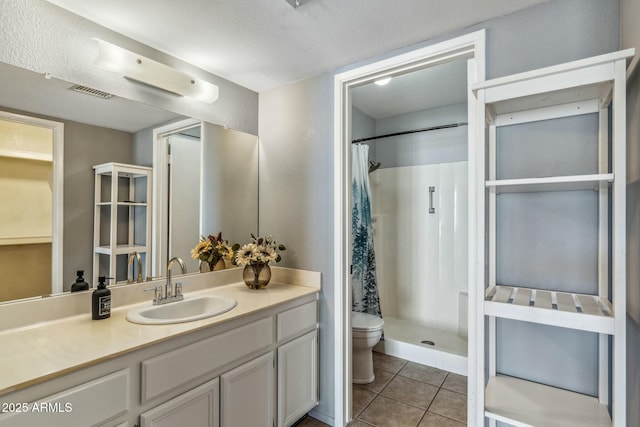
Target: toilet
(366,330)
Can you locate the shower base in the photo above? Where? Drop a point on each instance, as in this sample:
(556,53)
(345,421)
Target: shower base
(404,339)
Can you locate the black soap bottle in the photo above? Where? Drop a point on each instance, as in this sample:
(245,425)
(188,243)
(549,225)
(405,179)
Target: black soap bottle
(101,301)
(80,284)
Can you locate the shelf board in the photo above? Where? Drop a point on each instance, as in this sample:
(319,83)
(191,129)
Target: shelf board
(121,249)
(123,170)
(552,183)
(24,240)
(143,204)
(575,311)
(524,404)
(572,82)
(26,155)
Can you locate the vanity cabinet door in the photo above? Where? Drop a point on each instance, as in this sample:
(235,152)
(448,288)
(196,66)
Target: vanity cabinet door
(196,408)
(297,378)
(247,394)
(96,402)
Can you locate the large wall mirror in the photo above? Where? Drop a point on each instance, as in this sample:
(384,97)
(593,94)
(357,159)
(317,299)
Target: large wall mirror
(100,130)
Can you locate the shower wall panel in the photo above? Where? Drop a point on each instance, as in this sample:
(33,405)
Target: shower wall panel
(421,257)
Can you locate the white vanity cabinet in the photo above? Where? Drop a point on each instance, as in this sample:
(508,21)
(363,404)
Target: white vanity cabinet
(297,378)
(247,394)
(260,369)
(196,408)
(297,363)
(91,403)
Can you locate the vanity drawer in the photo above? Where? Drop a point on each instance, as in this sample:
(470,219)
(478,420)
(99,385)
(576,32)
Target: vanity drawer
(294,322)
(88,404)
(175,368)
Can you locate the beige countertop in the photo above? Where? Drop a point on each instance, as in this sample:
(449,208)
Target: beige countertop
(35,353)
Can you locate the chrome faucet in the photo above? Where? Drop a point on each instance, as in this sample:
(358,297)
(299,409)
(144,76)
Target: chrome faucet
(168,294)
(133,259)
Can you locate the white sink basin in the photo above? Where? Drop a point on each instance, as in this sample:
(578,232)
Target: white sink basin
(187,310)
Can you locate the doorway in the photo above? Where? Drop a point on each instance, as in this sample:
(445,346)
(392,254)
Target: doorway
(177,176)
(31,216)
(469,48)
(185,195)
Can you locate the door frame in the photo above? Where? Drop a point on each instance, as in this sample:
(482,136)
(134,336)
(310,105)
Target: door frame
(160,230)
(470,46)
(57,220)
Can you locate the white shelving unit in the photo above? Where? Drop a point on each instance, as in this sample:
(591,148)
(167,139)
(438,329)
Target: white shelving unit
(122,220)
(588,86)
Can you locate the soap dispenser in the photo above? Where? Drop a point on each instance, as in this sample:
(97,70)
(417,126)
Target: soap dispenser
(80,284)
(101,300)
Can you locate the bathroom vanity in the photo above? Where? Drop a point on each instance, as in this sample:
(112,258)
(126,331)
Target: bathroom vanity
(255,365)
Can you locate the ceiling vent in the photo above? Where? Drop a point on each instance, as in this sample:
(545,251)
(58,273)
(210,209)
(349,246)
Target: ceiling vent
(91,91)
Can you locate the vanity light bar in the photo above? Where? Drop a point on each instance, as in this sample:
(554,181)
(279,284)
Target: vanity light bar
(144,70)
(295,3)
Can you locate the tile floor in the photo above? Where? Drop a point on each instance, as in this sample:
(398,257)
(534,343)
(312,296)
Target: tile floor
(407,394)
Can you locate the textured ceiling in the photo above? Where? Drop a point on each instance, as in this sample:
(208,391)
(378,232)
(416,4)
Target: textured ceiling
(263,44)
(424,89)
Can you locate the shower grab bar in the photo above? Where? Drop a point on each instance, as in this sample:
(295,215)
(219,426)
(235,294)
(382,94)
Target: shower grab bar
(431,208)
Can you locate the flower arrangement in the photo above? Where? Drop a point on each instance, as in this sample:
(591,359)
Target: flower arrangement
(260,251)
(255,257)
(213,249)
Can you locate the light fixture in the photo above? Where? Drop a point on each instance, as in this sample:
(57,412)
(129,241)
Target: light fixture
(383,81)
(295,3)
(144,70)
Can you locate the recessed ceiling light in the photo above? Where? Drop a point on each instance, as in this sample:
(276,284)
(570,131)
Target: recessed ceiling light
(383,81)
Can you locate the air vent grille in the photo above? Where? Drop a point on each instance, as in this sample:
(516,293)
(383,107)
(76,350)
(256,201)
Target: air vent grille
(91,91)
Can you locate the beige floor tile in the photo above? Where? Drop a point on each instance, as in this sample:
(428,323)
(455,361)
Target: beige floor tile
(433,420)
(385,412)
(358,423)
(387,363)
(426,374)
(381,380)
(311,422)
(455,382)
(411,391)
(361,398)
(450,404)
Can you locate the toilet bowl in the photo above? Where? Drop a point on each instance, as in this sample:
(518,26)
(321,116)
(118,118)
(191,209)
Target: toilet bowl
(366,330)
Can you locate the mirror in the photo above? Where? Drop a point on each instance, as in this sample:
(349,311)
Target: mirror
(98,131)
(206,183)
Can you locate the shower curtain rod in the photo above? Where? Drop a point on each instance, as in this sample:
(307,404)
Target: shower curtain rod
(452,125)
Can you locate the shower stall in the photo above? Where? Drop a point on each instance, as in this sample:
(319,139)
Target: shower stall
(417,131)
(420,237)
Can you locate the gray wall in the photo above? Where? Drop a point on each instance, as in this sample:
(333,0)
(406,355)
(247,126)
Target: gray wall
(296,194)
(424,148)
(230,183)
(565,224)
(40,36)
(362,126)
(296,131)
(84,147)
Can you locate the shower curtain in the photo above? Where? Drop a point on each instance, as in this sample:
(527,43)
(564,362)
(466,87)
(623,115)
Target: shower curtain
(363,279)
